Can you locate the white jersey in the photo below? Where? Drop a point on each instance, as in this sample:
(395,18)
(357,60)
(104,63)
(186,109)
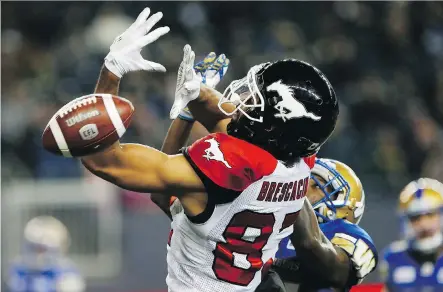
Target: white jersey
(253,200)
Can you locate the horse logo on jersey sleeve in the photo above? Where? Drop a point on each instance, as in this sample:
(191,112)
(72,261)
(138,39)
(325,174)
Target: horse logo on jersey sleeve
(214,152)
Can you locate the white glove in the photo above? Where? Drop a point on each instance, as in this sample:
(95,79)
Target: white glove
(124,55)
(210,71)
(362,257)
(188,83)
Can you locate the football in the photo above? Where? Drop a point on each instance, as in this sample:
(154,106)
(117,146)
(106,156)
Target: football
(87,125)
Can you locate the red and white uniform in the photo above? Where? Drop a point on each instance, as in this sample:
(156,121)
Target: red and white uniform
(253,200)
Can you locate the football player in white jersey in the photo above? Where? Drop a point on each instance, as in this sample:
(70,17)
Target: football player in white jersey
(241,188)
(334,191)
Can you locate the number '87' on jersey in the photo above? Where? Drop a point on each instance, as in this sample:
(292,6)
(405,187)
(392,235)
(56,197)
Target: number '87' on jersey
(253,200)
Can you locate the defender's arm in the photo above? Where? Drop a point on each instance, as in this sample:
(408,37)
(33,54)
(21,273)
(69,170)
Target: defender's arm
(316,255)
(205,110)
(138,167)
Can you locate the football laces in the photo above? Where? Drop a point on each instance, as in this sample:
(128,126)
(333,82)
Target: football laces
(76,104)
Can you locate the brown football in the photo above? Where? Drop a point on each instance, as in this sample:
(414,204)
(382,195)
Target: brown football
(87,125)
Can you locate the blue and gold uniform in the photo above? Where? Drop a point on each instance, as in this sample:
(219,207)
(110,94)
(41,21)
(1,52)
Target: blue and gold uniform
(416,263)
(404,269)
(335,230)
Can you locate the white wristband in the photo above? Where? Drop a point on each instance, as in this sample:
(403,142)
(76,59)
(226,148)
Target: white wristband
(112,65)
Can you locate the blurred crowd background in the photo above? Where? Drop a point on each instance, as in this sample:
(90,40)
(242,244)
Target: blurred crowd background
(384,59)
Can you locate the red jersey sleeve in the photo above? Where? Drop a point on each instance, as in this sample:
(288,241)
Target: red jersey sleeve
(229,162)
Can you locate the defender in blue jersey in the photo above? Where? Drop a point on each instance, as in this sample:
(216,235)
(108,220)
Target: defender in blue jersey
(337,196)
(416,263)
(43,267)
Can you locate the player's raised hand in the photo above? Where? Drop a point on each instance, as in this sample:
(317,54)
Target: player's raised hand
(124,55)
(210,71)
(188,83)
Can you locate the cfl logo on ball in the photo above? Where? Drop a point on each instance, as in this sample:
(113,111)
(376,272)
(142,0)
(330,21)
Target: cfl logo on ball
(88,132)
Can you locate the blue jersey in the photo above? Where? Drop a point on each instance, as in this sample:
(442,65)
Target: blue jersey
(47,279)
(401,272)
(330,229)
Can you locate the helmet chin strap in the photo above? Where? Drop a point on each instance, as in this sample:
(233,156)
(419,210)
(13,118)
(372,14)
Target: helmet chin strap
(429,244)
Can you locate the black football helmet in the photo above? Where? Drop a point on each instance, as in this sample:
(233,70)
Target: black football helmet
(287,108)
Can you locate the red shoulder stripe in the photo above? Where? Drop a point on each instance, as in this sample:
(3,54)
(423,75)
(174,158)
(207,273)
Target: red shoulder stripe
(230,162)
